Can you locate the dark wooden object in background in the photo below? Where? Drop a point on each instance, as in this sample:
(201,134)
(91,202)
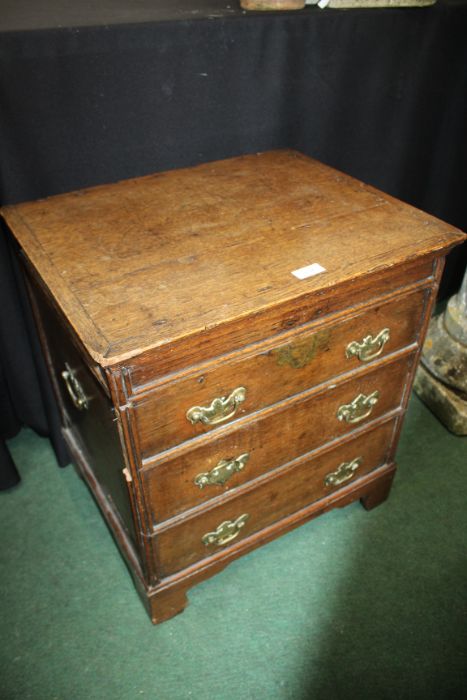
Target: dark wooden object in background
(162,294)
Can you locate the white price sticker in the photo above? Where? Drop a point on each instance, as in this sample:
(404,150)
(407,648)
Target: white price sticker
(309,271)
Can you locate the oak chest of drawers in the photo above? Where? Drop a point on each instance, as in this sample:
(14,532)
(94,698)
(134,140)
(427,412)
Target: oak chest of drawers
(232,348)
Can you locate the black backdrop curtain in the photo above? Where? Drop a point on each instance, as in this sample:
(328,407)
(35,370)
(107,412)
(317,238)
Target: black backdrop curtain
(94,92)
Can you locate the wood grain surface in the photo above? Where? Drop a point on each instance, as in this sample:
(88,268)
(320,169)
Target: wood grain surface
(142,263)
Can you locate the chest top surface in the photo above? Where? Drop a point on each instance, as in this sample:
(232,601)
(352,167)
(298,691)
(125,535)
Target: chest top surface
(144,262)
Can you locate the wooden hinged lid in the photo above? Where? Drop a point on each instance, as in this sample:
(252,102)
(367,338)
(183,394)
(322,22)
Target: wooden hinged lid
(144,262)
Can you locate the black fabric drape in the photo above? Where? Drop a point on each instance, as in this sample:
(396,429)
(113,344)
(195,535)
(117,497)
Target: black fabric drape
(380,94)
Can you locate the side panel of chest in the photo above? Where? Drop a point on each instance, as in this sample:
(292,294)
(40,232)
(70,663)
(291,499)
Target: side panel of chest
(88,418)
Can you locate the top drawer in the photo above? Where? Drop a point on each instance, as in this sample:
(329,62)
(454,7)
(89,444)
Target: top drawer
(226,390)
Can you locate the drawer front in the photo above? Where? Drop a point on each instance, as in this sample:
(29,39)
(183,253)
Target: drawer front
(226,391)
(285,493)
(277,436)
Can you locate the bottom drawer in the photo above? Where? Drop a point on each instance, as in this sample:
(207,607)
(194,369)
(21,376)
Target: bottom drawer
(269,499)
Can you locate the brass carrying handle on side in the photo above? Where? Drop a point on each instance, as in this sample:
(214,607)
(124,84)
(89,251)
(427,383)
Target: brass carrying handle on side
(74,388)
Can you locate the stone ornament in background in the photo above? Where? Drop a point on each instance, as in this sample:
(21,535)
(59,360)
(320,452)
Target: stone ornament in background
(441,379)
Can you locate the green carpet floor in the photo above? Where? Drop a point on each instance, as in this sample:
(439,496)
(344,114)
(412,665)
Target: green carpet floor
(352,605)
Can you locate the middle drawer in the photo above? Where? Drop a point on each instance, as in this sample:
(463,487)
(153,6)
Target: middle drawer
(280,434)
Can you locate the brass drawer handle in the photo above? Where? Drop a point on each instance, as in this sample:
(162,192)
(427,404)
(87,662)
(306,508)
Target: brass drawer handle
(74,388)
(368,348)
(343,473)
(220,410)
(222,472)
(225,532)
(358,409)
